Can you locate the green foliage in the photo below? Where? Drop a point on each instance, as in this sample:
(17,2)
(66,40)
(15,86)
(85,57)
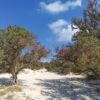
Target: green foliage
(13,39)
(87,41)
(2,56)
(34,56)
(54,66)
(83,56)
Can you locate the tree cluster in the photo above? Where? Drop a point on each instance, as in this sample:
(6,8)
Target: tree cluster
(83,55)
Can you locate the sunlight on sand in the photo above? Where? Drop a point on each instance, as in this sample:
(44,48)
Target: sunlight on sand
(44,85)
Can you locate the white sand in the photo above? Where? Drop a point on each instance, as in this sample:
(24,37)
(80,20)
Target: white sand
(43,85)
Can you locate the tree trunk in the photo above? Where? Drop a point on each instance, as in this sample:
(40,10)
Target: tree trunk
(14,75)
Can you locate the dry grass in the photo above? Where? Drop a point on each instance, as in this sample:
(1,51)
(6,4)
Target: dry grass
(15,88)
(10,92)
(12,89)
(2,92)
(9,97)
(28,98)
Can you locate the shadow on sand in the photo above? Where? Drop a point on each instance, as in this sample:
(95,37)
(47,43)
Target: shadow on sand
(68,89)
(8,82)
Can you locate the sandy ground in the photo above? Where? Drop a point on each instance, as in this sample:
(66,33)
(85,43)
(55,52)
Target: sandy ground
(43,85)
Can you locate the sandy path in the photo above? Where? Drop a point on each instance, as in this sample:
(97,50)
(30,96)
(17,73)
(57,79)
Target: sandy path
(43,85)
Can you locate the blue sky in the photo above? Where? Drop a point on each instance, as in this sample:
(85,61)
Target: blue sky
(49,20)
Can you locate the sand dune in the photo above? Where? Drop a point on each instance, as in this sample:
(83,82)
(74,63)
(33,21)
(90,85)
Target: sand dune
(44,85)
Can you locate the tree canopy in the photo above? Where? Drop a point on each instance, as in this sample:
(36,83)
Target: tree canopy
(13,40)
(83,55)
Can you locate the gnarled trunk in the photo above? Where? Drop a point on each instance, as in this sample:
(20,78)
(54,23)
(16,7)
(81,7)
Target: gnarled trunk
(14,75)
